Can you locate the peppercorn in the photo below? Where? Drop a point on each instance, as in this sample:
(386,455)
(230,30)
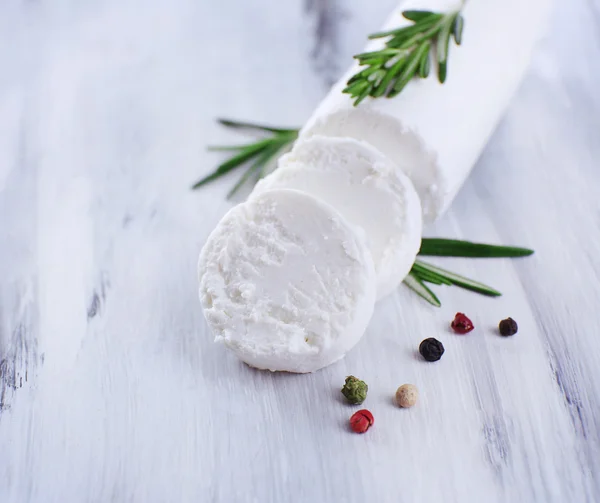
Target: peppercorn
(461,324)
(355,390)
(361,421)
(407,395)
(431,349)
(508,327)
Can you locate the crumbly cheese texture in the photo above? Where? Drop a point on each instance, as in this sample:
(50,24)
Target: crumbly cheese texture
(368,189)
(436,132)
(286,282)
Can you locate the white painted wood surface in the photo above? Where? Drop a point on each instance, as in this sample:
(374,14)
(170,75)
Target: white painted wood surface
(111,389)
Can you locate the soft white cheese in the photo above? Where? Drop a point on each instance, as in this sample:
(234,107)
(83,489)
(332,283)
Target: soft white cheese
(367,189)
(436,132)
(286,282)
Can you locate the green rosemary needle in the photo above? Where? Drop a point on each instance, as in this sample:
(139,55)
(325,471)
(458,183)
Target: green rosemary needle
(259,156)
(407,54)
(423,272)
(455,248)
(433,274)
(416,284)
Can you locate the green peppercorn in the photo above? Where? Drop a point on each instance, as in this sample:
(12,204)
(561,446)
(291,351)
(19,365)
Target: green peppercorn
(355,390)
(508,327)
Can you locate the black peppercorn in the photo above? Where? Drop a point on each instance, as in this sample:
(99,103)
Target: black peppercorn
(508,327)
(431,349)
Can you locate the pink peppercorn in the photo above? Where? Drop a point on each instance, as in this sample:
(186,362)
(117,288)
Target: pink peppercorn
(461,324)
(361,421)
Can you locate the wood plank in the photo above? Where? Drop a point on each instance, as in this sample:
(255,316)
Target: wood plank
(111,388)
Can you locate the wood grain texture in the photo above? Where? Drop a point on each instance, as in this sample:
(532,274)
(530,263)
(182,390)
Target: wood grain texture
(327,17)
(111,388)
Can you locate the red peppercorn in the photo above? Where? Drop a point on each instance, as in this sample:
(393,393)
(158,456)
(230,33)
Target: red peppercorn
(461,324)
(361,421)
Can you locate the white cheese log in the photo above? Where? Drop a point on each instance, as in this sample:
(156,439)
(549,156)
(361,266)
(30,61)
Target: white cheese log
(368,189)
(435,132)
(286,282)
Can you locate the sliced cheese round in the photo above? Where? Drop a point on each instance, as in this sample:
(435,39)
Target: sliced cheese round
(368,189)
(286,282)
(436,132)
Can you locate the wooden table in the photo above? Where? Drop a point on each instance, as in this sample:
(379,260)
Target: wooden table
(111,387)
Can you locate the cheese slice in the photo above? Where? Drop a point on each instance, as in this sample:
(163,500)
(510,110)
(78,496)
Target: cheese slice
(286,282)
(436,132)
(367,189)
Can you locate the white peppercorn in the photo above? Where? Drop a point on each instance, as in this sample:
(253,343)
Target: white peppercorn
(407,395)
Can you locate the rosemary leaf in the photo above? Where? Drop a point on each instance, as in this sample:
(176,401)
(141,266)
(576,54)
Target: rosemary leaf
(457,29)
(257,166)
(377,77)
(426,32)
(225,148)
(456,248)
(364,94)
(359,87)
(409,70)
(430,276)
(251,125)
(425,63)
(379,55)
(369,72)
(245,155)
(254,167)
(434,280)
(442,49)
(278,148)
(388,80)
(418,15)
(383,34)
(413,282)
(460,281)
(403,36)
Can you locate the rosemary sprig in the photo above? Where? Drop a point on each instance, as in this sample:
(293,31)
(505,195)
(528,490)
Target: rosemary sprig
(423,272)
(407,54)
(259,155)
(427,271)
